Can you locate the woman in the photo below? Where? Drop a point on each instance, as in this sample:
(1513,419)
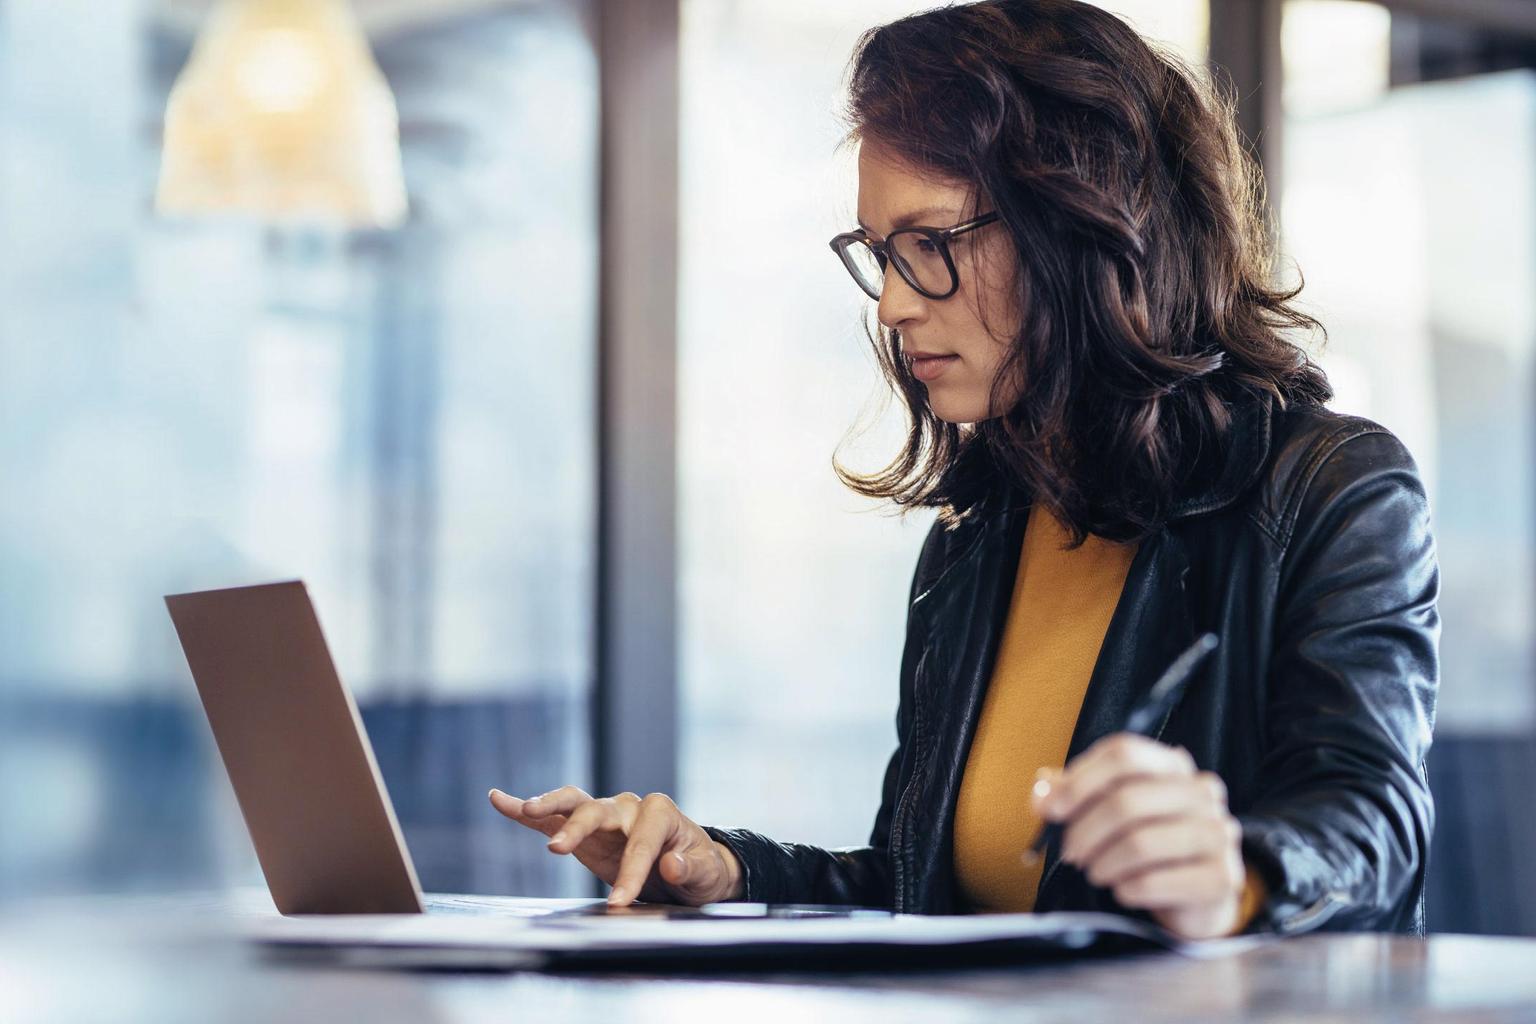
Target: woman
(1062,235)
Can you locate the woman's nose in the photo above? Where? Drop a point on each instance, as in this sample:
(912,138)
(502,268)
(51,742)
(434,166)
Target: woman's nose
(899,302)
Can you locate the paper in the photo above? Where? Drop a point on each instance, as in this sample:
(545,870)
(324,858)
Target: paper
(563,937)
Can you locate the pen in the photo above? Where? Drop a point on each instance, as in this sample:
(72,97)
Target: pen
(1146,716)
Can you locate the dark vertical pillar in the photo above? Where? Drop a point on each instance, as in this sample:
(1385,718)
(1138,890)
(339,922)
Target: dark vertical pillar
(635,699)
(1245,48)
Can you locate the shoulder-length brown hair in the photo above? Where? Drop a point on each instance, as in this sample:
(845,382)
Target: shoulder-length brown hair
(1143,278)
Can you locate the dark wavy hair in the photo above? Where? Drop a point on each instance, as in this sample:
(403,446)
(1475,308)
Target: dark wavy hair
(1147,312)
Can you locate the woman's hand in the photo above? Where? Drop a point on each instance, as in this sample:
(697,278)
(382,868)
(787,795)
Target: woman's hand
(646,849)
(1143,822)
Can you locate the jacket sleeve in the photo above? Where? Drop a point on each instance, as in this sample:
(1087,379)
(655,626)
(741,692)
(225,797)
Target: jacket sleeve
(774,872)
(1340,831)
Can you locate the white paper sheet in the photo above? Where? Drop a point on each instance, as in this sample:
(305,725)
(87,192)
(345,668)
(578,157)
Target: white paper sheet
(534,931)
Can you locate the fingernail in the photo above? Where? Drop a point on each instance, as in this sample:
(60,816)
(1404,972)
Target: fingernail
(493,791)
(558,837)
(1042,788)
(617,895)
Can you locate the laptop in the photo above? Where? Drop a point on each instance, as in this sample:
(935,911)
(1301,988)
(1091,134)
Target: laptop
(338,869)
(302,768)
(293,744)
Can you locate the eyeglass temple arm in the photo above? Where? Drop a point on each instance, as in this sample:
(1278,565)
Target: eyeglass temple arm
(970,225)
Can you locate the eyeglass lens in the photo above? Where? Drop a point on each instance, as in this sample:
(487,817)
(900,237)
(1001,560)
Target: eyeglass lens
(919,255)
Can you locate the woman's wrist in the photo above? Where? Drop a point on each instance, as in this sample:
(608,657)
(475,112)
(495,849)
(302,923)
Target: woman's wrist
(735,886)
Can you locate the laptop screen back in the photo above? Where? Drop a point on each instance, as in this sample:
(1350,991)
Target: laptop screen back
(293,744)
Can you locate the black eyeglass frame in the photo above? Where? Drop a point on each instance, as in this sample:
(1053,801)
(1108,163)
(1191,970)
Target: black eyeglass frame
(938,236)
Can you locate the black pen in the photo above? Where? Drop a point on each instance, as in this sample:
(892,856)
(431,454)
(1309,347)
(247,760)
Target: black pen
(1147,716)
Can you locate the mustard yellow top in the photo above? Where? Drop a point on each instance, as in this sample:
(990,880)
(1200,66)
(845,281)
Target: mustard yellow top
(1058,615)
(1060,610)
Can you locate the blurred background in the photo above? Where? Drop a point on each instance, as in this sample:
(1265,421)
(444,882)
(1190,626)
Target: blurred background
(541,399)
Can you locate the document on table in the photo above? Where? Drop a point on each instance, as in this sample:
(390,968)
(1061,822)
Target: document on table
(566,939)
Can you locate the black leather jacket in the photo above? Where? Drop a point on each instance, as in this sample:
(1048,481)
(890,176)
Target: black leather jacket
(1311,557)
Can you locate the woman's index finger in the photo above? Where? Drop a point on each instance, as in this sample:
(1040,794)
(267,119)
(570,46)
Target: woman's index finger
(1105,765)
(512,807)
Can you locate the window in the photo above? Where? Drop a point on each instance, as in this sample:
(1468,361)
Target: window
(404,419)
(1407,208)
(1410,145)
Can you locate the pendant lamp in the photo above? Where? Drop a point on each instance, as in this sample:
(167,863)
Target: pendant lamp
(282,113)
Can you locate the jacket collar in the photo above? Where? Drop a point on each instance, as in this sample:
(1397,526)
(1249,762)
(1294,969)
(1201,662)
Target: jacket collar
(996,525)
(1247,451)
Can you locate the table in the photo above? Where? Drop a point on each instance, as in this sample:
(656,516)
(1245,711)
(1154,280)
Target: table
(64,968)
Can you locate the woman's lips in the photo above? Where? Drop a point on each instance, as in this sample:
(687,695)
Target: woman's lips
(930,368)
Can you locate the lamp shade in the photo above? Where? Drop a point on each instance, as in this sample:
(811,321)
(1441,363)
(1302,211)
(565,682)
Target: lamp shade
(282,113)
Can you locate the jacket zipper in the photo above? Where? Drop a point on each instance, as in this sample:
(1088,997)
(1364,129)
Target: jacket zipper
(1157,734)
(1048,875)
(1331,903)
(898,838)
(920,755)
(898,819)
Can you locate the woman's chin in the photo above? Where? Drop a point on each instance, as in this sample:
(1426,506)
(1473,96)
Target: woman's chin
(951,411)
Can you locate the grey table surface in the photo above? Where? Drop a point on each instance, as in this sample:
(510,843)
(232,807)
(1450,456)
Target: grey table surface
(86,965)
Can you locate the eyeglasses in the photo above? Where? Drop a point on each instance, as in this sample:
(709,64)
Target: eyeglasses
(921,256)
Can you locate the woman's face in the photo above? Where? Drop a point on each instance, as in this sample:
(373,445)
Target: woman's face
(970,331)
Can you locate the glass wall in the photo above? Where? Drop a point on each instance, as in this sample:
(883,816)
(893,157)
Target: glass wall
(792,589)
(1410,148)
(1410,214)
(403,419)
